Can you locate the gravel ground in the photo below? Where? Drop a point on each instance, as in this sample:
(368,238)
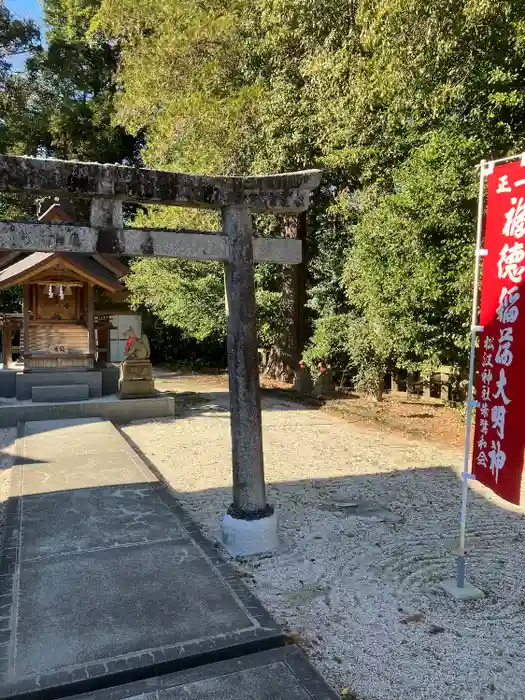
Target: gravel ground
(7,444)
(368,527)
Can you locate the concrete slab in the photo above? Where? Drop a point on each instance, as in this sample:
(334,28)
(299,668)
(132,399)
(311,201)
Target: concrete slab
(110,408)
(101,518)
(467,592)
(276,674)
(25,381)
(67,392)
(66,604)
(79,471)
(103,574)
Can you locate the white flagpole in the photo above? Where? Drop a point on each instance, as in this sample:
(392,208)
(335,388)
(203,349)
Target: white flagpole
(471,404)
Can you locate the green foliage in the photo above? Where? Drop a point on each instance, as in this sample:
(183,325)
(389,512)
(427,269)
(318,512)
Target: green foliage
(347,344)
(189,295)
(11,299)
(409,269)
(396,99)
(170,344)
(330,345)
(182,293)
(17,36)
(186,294)
(63,103)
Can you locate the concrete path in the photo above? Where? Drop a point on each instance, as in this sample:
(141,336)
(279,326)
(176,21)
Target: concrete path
(104,578)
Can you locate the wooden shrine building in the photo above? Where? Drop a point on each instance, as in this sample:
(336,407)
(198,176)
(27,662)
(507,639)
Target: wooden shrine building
(69,301)
(59,326)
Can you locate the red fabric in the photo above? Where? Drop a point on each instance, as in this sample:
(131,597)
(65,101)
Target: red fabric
(128,343)
(499,438)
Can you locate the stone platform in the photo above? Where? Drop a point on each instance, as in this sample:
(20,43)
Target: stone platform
(105,579)
(14,382)
(107,407)
(276,674)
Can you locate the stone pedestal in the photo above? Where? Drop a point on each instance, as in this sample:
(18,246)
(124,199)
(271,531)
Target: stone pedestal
(136,379)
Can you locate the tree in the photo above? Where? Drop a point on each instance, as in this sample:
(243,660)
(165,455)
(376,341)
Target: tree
(409,269)
(62,104)
(227,96)
(17,37)
(430,89)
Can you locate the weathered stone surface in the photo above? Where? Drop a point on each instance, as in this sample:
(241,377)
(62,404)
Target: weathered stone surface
(64,392)
(110,377)
(7,383)
(136,369)
(285,251)
(136,388)
(191,245)
(25,381)
(67,238)
(113,409)
(249,493)
(324,383)
(289,192)
(136,348)
(303,381)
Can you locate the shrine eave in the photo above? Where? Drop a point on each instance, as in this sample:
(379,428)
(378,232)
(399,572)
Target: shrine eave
(23,271)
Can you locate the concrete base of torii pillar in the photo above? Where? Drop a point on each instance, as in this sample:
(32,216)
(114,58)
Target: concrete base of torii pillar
(241,537)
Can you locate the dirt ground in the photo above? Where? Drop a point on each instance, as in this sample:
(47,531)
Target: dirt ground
(411,417)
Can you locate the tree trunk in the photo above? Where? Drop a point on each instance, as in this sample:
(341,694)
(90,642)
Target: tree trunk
(282,360)
(379,390)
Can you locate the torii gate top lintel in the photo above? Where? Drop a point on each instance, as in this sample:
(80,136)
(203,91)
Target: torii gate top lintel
(280,193)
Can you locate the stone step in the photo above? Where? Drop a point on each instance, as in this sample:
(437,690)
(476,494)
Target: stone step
(63,392)
(110,408)
(283,673)
(25,381)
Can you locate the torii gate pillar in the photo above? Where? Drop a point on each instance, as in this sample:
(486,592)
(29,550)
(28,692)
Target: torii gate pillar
(250,525)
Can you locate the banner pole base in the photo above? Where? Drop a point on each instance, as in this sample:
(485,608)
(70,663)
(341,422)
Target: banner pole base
(464,592)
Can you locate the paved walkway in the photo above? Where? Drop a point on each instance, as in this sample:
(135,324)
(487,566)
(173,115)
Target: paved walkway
(105,580)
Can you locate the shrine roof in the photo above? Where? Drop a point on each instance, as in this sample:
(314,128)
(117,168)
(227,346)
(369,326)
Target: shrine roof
(8,257)
(84,266)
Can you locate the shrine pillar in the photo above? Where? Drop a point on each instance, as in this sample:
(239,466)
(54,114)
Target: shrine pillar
(7,345)
(26,305)
(90,320)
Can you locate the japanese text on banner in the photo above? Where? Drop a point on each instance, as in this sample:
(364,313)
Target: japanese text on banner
(499,439)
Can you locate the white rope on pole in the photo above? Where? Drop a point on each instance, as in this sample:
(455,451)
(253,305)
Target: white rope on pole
(471,404)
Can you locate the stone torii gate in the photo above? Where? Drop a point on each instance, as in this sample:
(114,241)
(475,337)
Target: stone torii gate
(250,525)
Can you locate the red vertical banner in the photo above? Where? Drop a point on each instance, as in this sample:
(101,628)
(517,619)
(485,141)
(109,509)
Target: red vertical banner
(499,438)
